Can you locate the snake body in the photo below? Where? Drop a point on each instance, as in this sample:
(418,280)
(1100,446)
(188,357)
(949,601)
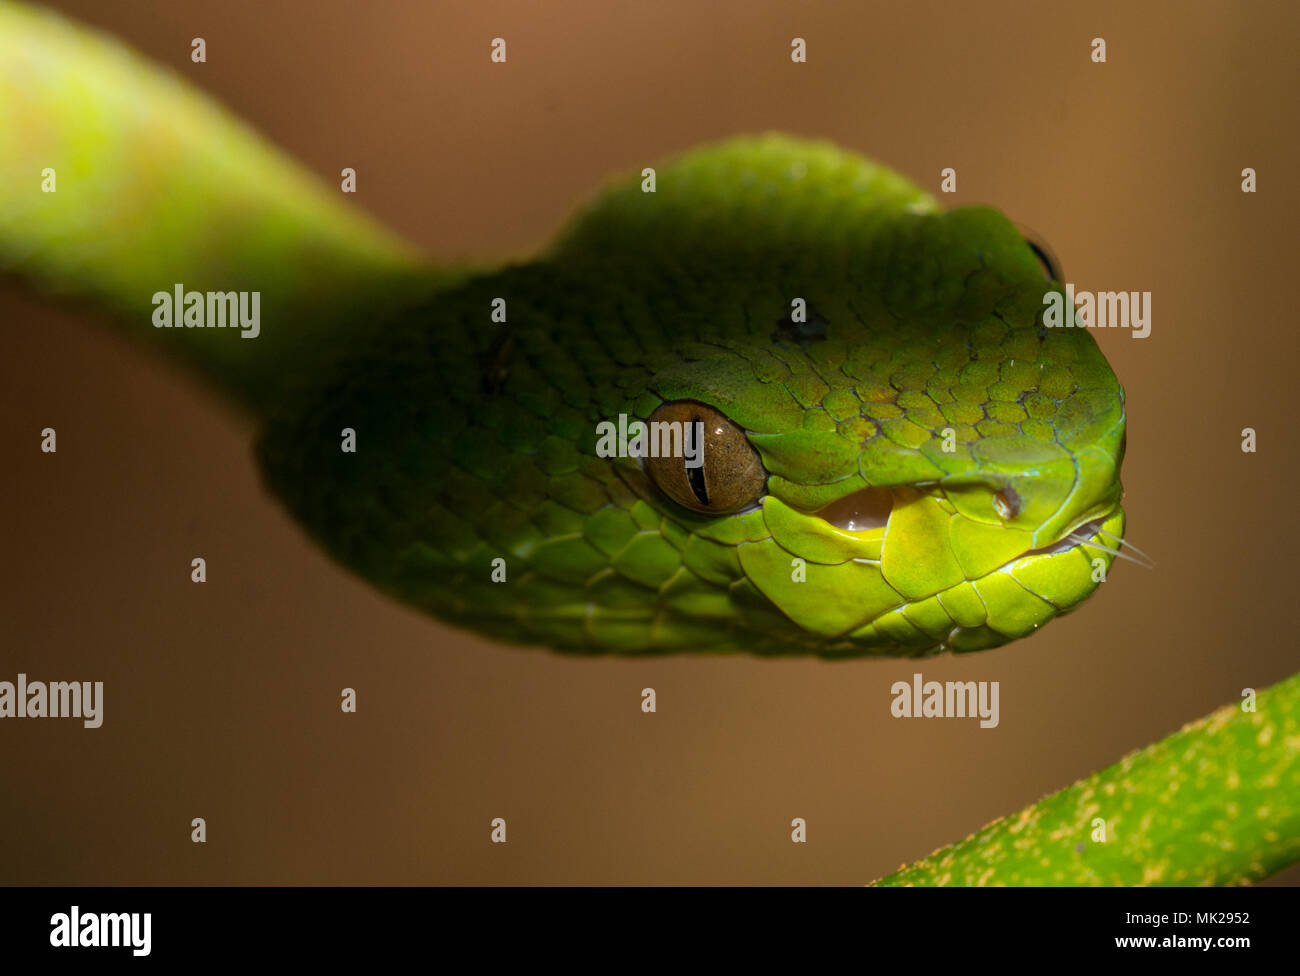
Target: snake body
(907,459)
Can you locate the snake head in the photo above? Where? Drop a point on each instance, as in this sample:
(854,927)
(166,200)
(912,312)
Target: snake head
(895,455)
(942,470)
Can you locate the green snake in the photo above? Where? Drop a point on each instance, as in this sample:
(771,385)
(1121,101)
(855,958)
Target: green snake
(898,458)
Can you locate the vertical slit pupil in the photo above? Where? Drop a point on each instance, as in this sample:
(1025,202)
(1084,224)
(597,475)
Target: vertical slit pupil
(696,475)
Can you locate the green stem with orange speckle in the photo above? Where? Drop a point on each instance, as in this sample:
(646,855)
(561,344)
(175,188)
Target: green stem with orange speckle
(1217,802)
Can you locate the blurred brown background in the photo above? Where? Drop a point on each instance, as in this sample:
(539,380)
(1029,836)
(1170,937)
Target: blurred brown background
(222,699)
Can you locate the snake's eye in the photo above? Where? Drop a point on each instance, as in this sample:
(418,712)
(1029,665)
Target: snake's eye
(1051,269)
(701,460)
(1046,259)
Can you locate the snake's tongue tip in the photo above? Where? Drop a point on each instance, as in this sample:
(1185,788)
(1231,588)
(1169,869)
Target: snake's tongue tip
(1137,556)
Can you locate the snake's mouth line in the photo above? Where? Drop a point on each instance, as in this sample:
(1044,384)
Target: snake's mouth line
(1081,535)
(866,513)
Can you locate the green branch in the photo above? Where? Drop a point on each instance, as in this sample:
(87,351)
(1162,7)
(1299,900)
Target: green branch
(1216,803)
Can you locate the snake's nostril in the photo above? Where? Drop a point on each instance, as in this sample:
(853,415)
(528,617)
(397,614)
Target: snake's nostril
(1006,503)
